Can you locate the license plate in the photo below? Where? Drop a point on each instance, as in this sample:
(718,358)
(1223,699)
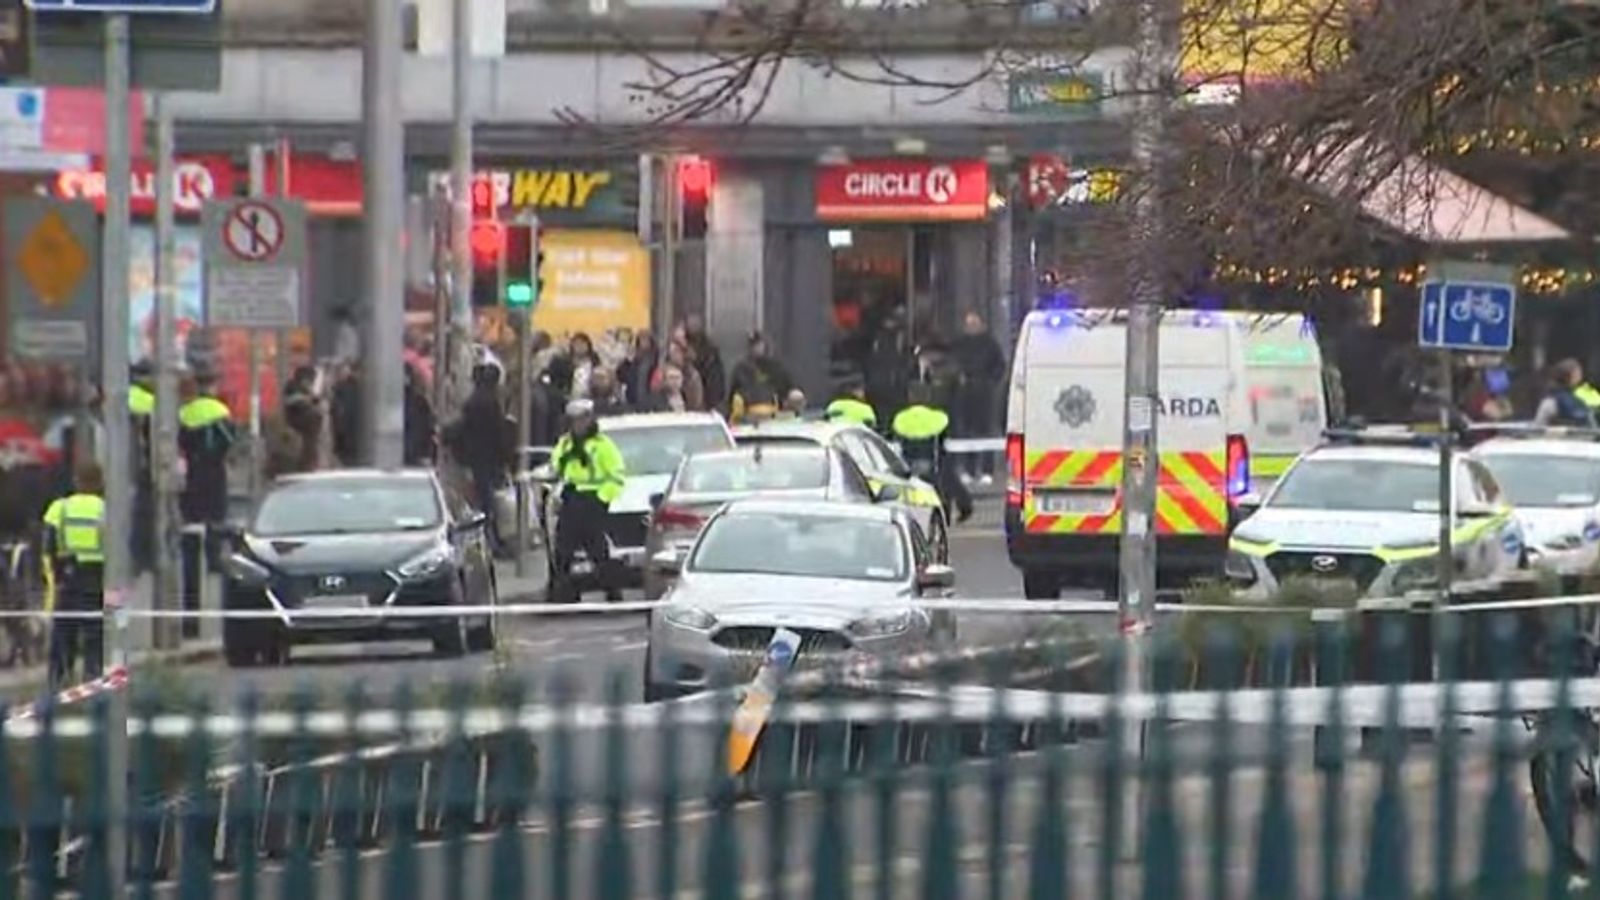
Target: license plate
(336,602)
(1069,502)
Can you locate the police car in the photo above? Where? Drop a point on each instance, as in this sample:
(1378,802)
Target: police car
(1361,510)
(1553,477)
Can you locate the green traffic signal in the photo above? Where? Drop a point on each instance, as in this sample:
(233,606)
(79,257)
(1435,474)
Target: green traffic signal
(519,293)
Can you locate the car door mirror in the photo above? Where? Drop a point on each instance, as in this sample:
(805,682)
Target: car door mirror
(888,492)
(936,577)
(655,500)
(471,523)
(667,561)
(1247,504)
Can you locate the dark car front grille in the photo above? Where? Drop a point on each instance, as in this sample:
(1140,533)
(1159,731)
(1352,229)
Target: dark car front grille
(1362,568)
(628,529)
(375,586)
(757,637)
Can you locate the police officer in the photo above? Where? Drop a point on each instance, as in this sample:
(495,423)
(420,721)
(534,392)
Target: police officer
(75,562)
(206,435)
(851,406)
(592,475)
(921,429)
(141,410)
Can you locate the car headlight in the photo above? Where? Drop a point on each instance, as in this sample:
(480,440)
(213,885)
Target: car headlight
(426,564)
(1564,542)
(245,570)
(1239,567)
(1417,574)
(690,617)
(882,625)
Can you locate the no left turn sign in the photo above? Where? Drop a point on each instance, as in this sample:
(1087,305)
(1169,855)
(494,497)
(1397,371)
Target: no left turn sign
(253,232)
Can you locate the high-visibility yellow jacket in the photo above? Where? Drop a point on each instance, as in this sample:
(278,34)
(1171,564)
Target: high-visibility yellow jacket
(604,475)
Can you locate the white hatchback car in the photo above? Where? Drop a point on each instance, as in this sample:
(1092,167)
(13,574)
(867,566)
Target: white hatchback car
(1554,482)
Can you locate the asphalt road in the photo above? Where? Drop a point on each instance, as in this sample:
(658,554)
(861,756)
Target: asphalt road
(579,656)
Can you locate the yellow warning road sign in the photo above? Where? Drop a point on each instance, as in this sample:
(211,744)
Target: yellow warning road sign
(53,261)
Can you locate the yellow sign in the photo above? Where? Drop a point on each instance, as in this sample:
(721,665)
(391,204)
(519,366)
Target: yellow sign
(555,188)
(593,281)
(52,260)
(1233,41)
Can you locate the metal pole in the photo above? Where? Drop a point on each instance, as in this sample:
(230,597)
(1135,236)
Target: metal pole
(671,225)
(119,489)
(459,345)
(383,426)
(439,217)
(524,431)
(258,188)
(1447,500)
(280,356)
(1136,598)
(164,430)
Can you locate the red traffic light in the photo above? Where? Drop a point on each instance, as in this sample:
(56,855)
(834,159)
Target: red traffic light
(486,240)
(694,175)
(482,198)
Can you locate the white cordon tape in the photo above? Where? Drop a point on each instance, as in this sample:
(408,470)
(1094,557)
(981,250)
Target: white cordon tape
(993,606)
(114,680)
(975,445)
(1359,706)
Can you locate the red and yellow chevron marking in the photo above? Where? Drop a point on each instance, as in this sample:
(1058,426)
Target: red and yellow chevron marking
(1191,495)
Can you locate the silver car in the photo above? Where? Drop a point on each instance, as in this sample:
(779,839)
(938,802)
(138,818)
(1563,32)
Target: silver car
(847,578)
(706,482)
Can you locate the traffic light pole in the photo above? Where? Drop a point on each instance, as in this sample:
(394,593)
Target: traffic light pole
(458,348)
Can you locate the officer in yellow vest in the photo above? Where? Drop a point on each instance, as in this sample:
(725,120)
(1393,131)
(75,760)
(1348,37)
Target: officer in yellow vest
(1588,396)
(851,406)
(592,474)
(74,574)
(141,409)
(921,429)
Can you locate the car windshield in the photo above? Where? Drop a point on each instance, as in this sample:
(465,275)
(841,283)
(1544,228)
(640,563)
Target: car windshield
(657,450)
(722,473)
(802,545)
(348,506)
(1540,480)
(1359,484)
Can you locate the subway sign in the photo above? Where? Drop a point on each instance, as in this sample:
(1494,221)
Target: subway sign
(575,192)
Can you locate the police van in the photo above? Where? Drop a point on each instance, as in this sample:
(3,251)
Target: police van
(1064,419)
(1285,390)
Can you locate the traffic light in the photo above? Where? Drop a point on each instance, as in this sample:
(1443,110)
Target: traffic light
(522,283)
(482,196)
(694,195)
(487,241)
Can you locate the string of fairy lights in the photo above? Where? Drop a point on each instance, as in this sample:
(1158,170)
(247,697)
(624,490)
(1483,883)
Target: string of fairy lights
(1540,280)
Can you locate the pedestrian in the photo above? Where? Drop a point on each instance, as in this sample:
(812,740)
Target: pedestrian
(481,441)
(706,360)
(592,475)
(419,442)
(74,554)
(206,436)
(794,404)
(759,382)
(606,393)
(669,396)
(581,355)
(344,414)
(889,367)
(678,356)
(346,338)
(141,412)
(980,369)
(635,372)
(850,405)
(921,429)
(303,414)
(1561,404)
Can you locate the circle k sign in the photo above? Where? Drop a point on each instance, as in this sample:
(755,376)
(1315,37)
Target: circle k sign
(908,190)
(194,181)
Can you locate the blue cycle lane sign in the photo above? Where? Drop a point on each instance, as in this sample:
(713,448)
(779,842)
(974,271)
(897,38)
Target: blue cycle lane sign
(1467,315)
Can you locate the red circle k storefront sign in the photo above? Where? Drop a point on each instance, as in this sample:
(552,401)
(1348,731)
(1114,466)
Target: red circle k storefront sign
(903,190)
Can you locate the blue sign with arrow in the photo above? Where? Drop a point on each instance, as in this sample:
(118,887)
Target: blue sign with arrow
(1467,315)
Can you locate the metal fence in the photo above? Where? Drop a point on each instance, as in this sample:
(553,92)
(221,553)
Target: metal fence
(1323,767)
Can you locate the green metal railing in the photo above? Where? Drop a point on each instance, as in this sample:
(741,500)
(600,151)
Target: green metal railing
(1299,783)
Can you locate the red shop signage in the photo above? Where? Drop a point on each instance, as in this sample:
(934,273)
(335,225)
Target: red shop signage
(907,190)
(328,187)
(195,180)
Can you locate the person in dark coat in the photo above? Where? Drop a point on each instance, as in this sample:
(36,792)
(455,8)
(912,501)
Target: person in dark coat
(980,370)
(706,359)
(889,368)
(481,441)
(759,382)
(345,416)
(634,373)
(419,422)
(303,413)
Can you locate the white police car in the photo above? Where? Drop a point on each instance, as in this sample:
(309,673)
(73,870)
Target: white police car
(1362,511)
(1553,478)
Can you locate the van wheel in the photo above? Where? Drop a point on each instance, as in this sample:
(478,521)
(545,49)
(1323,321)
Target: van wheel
(1037,585)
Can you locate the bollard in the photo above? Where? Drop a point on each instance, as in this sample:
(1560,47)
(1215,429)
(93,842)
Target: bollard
(202,596)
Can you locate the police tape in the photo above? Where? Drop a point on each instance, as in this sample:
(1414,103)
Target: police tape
(1411,706)
(978,605)
(975,445)
(114,680)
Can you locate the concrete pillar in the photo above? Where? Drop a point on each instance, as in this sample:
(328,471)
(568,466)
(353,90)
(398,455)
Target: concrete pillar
(735,249)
